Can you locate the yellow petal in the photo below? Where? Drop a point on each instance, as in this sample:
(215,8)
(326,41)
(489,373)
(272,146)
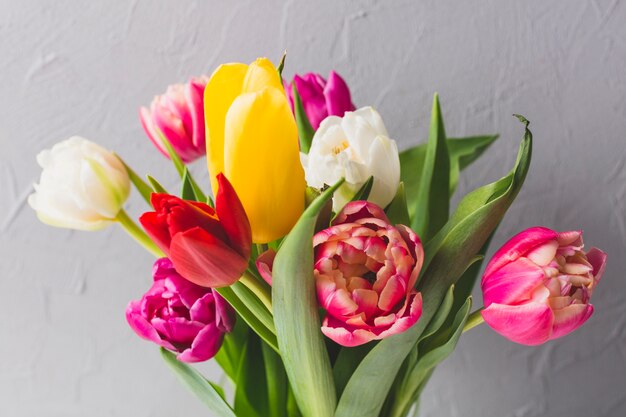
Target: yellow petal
(262,161)
(223,87)
(261,73)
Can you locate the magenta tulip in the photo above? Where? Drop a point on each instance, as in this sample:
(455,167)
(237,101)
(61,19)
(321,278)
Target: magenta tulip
(365,272)
(180,315)
(321,98)
(537,287)
(179,116)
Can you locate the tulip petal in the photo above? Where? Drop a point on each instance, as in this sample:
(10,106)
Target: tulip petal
(357,210)
(513,283)
(205,260)
(205,345)
(527,324)
(259,75)
(337,95)
(570,318)
(261,137)
(265,263)
(223,87)
(233,217)
(519,245)
(157,229)
(597,259)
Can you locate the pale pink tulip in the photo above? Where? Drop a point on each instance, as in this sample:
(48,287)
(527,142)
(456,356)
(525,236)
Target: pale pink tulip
(537,287)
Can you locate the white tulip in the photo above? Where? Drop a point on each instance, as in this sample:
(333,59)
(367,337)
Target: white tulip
(355,147)
(82,186)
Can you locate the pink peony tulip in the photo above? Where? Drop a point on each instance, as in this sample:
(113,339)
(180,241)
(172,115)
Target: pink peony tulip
(365,271)
(179,115)
(181,316)
(537,287)
(321,98)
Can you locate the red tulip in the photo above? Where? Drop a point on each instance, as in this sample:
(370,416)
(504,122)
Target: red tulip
(209,247)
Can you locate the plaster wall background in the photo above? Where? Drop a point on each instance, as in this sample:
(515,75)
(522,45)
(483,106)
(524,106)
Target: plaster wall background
(70,67)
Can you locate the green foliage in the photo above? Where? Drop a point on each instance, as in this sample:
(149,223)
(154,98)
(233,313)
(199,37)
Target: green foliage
(305,130)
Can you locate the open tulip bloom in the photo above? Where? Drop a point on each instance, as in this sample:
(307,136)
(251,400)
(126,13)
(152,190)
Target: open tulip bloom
(327,276)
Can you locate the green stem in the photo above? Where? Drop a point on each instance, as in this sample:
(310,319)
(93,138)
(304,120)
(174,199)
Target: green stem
(139,235)
(474,320)
(258,289)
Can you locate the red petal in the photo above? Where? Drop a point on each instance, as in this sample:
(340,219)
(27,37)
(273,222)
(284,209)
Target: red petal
(233,217)
(156,227)
(206,260)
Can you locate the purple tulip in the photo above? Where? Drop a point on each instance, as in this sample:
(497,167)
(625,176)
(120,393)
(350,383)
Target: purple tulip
(321,98)
(180,315)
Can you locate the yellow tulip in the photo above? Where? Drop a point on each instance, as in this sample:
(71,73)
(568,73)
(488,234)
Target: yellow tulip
(253,139)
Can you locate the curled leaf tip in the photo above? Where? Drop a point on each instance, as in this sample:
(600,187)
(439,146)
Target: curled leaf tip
(522,119)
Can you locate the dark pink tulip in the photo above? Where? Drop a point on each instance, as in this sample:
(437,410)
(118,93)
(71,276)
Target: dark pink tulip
(179,115)
(365,272)
(321,98)
(180,315)
(537,287)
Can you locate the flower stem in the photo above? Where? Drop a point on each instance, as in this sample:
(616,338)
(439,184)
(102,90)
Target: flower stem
(139,235)
(258,289)
(474,319)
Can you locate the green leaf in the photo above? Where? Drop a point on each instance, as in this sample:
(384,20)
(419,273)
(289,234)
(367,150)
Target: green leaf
(438,347)
(305,130)
(276,381)
(144,189)
(297,317)
(397,210)
(250,388)
(463,151)
(187,192)
(249,316)
(441,315)
(432,204)
(347,361)
(198,385)
(448,254)
(281,65)
(229,355)
(156,186)
(255,305)
(364,192)
(182,170)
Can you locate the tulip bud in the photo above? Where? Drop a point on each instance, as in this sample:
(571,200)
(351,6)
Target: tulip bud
(321,98)
(365,273)
(179,116)
(82,186)
(181,316)
(209,247)
(253,139)
(537,287)
(354,147)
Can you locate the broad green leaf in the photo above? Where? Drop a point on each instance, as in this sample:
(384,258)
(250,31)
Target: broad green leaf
(448,254)
(347,361)
(250,388)
(156,186)
(144,189)
(249,316)
(364,192)
(198,385)
(463,151)
(305,130)
(441,315)
(276,381)
(297,318)
(397,211)
(438,347)
(229,355)
(432,204)
(254,304)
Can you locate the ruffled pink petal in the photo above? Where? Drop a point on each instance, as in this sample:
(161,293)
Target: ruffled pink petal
(519,245)
(203,310)
(527,324)
(206,344)
(225,315)
(394,291)
(515,282)
(142,327)
(356,210)
(597,259)
(570,318)
(405,322)
(344,335)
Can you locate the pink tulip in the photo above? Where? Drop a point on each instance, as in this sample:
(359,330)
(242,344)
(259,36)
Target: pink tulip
(179,115)
(181,316)
(365,271)
(537,287)
(321,98)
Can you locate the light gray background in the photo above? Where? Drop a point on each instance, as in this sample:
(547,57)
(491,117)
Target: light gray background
(85,67)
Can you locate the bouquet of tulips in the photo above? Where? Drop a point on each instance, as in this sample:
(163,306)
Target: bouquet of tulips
(325,274)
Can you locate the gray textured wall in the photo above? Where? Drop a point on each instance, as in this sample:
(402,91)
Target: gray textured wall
(85,67)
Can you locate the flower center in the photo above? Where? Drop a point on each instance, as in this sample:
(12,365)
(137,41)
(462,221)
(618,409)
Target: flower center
(341,147)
